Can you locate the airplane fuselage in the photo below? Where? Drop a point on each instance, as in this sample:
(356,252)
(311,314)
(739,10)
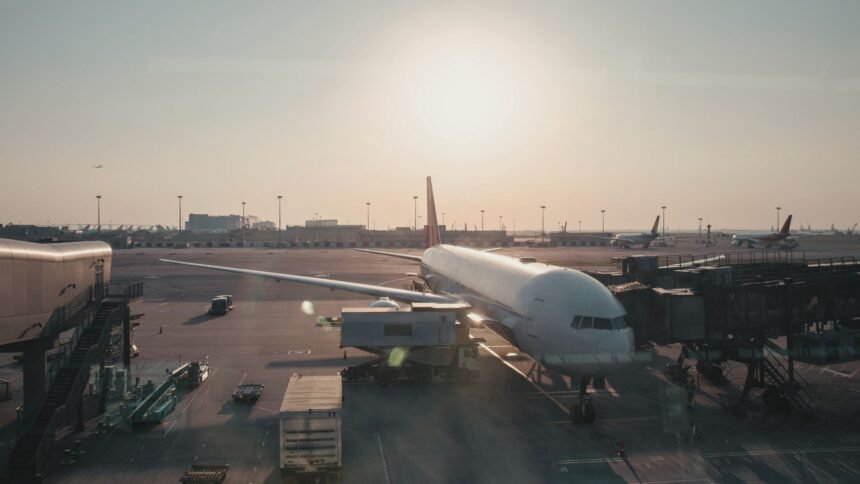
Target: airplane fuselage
(757,240)
(563,318)
(628,240)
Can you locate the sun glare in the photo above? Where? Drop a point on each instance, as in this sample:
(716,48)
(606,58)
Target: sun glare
(465,95)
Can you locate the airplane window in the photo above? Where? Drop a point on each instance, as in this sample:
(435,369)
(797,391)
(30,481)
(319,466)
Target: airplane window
(602,323)
(585,322)
(619,323)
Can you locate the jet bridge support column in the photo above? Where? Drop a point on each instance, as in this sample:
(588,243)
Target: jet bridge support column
(79,416)
(34,372)
(126,340)
(789,340)
(104,388)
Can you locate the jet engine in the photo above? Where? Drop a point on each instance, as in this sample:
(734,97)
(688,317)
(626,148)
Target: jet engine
(384,302)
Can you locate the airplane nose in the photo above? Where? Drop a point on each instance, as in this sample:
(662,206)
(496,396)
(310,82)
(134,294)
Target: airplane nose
(618,346)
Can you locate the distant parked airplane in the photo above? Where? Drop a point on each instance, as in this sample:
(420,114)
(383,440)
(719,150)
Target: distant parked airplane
(761,239)
(98,166)
(628,240)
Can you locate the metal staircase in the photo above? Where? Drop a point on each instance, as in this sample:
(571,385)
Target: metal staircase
(64,396)
(775,372)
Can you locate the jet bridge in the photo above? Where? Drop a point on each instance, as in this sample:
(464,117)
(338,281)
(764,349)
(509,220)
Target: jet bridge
(730,306)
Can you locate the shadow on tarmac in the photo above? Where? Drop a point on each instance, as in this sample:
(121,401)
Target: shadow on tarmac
(200,318)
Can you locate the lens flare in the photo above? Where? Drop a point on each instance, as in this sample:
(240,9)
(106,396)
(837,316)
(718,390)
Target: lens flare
(308,307)
(396,357)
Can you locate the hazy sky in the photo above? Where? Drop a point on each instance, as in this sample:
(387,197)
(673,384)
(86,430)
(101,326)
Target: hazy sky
(721,110)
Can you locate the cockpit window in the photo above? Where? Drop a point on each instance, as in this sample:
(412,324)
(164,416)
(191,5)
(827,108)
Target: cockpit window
(602,323)
(619,322)
(575,323)
(585,322)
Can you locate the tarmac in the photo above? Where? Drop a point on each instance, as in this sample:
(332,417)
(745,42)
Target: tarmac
(510,426)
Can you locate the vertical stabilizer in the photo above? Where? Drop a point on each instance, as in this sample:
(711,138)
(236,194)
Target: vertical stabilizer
(654,228)
(786,226)
(432,236)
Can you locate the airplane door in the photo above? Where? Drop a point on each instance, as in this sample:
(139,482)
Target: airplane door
(535,309)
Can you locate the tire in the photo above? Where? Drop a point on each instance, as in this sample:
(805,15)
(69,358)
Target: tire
(575,414)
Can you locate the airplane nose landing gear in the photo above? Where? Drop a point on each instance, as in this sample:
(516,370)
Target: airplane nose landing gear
(583,412)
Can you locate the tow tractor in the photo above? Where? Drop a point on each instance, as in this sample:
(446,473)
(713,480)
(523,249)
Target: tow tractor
(221,305)
(248,392)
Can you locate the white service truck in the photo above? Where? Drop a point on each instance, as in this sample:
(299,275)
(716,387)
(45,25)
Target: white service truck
(311,429)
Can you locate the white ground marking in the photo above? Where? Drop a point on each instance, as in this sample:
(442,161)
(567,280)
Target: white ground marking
(526,378)
(596,460)
(172,298)
(765,452)
(611,389)
(839,373)
(196,394)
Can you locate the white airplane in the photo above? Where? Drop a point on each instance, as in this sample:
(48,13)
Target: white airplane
(628,240)
(788,243)
(767,240)
(563,318)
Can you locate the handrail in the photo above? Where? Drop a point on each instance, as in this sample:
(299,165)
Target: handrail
(834,261)
(717,259)
(59,415)
(129,291)
(62,314)
(803,384)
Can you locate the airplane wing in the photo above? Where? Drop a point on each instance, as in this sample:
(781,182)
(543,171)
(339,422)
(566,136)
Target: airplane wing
(371,290)
(414,258)
(493,249)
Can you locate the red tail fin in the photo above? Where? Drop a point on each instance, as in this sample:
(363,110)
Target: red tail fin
(432,236)
(786,226)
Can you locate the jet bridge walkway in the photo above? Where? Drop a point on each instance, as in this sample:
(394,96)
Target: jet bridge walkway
(731,306)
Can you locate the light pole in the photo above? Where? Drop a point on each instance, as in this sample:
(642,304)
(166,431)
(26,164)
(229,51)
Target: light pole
(99,213)
(777,217)
(243,224)
(279,219)
(700,229)
(482,220)
(500,222)
(180,211)
(368,214)
(580,225)
(515,227)
(443,219)
(542,212)
(603,221)
(664,221)
(415,209)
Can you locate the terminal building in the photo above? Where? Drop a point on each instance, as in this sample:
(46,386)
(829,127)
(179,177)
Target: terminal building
(202,222)
(579,239)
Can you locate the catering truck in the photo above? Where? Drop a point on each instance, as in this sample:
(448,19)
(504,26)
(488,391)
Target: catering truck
(311,444)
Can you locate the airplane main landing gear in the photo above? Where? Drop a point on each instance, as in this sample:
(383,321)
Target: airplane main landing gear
(583,412)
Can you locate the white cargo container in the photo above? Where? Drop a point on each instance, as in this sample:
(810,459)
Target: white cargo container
(387,328)
(311,444)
